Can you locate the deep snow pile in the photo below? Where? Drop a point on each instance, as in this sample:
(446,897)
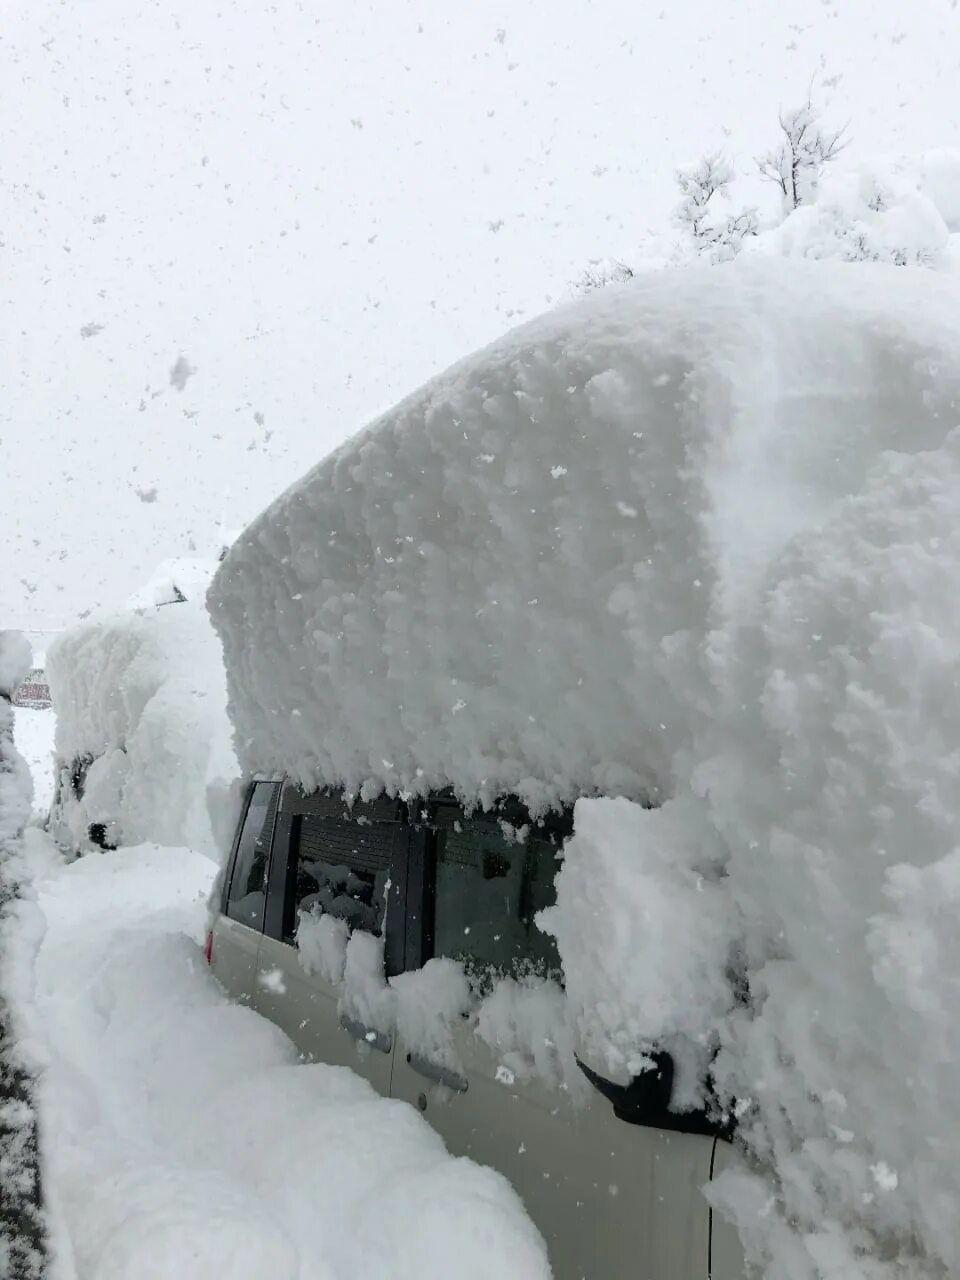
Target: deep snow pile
(141,727)
(904,211)
(690,542)
(187,1141)
(23,1221)
(507,581)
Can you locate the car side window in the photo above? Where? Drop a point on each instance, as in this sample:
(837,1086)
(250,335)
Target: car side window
(342,869)
(247,896)
(488,890)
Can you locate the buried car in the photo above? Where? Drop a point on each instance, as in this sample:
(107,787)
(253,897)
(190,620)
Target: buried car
(500,676)
(141,729)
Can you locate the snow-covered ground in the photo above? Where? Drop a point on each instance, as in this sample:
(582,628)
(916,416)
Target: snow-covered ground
(185,1140)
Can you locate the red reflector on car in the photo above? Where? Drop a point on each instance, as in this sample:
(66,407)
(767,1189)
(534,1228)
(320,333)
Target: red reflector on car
(208,948)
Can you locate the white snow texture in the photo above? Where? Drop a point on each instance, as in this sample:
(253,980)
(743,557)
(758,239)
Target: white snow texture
(904,211)
(186,1140)
(142,696)
(692,542)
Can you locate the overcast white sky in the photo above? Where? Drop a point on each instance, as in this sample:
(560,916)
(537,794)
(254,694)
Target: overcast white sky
(318,205)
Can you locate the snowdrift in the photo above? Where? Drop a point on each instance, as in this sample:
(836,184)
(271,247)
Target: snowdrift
(904,211)
(141,729)
(689,545)
(201,1146)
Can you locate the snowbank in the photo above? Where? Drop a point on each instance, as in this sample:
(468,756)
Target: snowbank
(899,209)
(24,1221)
(190,1142)
(693,543)
(16,785)
(897,212)
(141,727)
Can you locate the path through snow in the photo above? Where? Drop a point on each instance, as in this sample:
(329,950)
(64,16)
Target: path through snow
(185,1140)
(33,733)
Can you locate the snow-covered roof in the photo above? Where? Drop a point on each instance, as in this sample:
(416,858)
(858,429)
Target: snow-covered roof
(509,582)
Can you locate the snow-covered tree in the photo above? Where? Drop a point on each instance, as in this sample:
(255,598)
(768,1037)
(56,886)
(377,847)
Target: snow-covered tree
(721,238)
(904,211)
(599,274)
(699,183)
(22,1229)
(795,165)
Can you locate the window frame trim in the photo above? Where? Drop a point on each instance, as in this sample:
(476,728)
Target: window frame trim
(409,926)
(277,873)
(555,825)
(228,881)
(282,874)
(234,849)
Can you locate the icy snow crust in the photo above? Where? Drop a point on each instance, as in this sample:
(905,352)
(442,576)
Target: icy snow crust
(693,541)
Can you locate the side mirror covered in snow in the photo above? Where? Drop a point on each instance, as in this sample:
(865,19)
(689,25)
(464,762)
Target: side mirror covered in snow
(646,1100)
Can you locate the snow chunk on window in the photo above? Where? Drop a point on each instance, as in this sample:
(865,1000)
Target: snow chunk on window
(365,996)
(642,923)
(322,943)
(527,1022)
(430,1003)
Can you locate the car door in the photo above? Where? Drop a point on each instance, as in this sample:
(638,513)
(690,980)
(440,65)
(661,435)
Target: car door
(330,861)
(238,929)
(611,1198)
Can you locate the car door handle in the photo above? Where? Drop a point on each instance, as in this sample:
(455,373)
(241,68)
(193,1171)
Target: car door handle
(367,1035)
(433,1071)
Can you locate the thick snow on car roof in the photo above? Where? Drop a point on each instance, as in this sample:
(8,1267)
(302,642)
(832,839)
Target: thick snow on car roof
(695,540)
(507,583)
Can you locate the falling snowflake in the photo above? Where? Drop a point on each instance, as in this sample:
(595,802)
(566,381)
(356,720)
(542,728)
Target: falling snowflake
(180,372)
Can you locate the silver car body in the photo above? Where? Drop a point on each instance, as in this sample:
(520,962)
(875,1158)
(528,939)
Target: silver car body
(611,1198)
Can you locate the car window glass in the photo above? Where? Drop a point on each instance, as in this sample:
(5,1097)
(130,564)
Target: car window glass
(247,896)
(343,870)
(488,890)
